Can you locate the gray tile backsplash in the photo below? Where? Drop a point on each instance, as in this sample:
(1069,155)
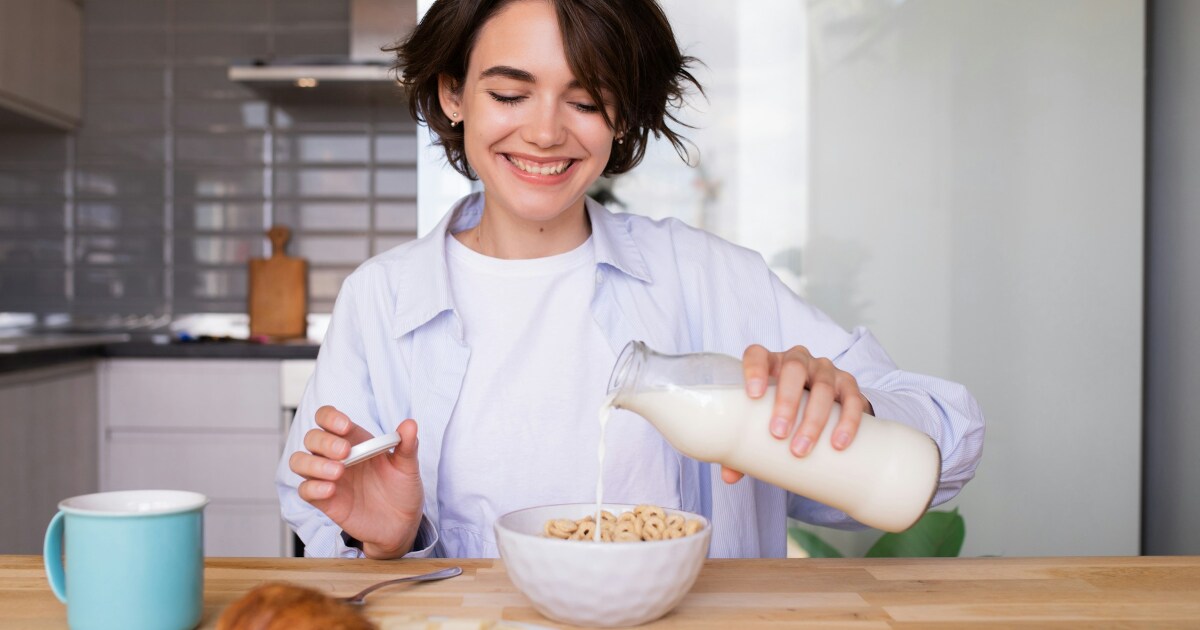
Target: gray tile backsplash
(102,45)
(328,216)
(24,215)
(116,148)
(31,182)
(125,83)
(23,149)
(23,250)
(154,205)
(323,148)
(308,12)
(111,285)
(221,216)
(127,13)
(99,215)
(201,249)
(190,14)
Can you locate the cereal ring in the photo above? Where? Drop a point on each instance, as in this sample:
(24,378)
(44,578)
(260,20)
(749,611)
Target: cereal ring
(626,537)
(672,534)
(646,511)
(586,531)
(653,528)
(560,528)
(607,517)
(675,521)
(631,527)
(693,526)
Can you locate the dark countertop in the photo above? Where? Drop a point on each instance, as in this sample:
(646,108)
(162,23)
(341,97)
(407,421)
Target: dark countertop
(212,350)
(37,353)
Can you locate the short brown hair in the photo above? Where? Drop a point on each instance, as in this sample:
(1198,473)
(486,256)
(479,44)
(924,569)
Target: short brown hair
(624,47)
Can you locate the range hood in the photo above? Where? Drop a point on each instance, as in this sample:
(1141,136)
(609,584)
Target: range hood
(364,73)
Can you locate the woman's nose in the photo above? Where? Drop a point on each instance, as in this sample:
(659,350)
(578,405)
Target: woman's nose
(545,127)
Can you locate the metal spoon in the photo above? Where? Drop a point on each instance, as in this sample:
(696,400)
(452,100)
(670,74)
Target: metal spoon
(357,599)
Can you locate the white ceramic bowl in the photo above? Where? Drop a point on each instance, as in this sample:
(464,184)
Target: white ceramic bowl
(598,584)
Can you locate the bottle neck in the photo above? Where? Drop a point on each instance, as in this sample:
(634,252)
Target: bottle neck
(627,371)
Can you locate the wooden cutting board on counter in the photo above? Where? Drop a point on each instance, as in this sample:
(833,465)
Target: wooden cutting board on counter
(278,291)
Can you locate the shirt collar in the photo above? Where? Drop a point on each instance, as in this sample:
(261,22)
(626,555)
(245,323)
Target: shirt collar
(423,292)
(614,244)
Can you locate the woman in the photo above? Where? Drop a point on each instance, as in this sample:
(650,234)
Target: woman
(492,338)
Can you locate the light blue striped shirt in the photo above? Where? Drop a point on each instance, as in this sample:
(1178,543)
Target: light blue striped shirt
(395,349)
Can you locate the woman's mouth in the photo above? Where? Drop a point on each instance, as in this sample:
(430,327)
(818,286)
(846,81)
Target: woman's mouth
(545,169)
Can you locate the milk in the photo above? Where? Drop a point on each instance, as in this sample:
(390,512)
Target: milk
(605,411)
(885,478)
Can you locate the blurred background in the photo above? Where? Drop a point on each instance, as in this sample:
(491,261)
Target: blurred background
(998,189)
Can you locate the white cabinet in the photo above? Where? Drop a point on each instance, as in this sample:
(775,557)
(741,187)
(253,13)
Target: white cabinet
(40,63)
(48,448)
(206,425)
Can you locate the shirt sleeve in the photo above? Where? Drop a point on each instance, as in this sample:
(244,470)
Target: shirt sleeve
(426,541)
(941,409)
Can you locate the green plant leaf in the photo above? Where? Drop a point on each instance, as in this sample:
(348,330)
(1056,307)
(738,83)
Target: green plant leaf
(937,534)
(812,544)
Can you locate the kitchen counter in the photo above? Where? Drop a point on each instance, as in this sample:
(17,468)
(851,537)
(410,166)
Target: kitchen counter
(849,593)
(57,341)
(31,351)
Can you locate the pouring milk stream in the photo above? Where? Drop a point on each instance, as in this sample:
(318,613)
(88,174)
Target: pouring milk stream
(885,479)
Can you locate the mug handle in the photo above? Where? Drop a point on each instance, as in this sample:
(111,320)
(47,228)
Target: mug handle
(52,556)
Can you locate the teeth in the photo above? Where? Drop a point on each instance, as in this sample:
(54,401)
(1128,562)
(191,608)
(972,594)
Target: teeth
(550,169)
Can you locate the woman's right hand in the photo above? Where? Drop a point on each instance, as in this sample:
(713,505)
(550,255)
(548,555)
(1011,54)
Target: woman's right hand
(378,501)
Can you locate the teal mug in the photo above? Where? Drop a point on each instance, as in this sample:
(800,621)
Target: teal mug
(134,559)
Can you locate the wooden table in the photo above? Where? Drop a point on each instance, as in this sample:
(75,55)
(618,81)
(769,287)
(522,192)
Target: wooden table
(850,593)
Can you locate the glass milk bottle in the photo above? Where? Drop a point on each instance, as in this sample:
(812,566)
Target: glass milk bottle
(886,478)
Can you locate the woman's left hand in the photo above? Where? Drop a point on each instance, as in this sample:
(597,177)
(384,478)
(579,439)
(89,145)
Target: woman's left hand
(795,371)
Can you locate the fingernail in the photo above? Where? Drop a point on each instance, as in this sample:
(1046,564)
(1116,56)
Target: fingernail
(779,427)
(802,446)
(756,386)
(331,469)
(841,440)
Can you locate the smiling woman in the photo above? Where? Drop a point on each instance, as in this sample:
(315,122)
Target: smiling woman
(620,54)
(542,104)
(496,332)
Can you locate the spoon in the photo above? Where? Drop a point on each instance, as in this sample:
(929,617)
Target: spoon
(357,599)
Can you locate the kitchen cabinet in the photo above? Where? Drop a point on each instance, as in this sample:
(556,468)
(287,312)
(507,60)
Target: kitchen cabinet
(48,448)
(40,63)
(210,426)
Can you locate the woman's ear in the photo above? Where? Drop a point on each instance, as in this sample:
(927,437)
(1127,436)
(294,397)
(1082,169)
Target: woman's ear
(449,96)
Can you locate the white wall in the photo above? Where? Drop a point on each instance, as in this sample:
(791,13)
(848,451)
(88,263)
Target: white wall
(1172,484)
(976,200)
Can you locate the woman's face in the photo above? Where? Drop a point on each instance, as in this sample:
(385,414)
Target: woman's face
(536,138)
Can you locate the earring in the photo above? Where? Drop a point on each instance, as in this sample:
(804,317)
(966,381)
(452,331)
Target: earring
(454,123)
(621,139)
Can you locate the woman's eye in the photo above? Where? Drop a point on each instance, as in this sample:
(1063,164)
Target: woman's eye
(586,108)
(507,100)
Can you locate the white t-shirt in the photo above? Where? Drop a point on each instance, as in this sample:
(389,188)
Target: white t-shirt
(525,430)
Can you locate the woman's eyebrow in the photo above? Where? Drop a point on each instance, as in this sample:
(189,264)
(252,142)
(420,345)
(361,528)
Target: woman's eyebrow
(517,74)
(508,72)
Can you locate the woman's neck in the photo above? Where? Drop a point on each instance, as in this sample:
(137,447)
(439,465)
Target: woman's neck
(501,236)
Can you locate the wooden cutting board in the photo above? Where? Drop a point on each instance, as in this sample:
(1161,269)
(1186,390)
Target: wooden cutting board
(278,291)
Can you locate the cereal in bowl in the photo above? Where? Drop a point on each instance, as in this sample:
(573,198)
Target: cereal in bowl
(644,523)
